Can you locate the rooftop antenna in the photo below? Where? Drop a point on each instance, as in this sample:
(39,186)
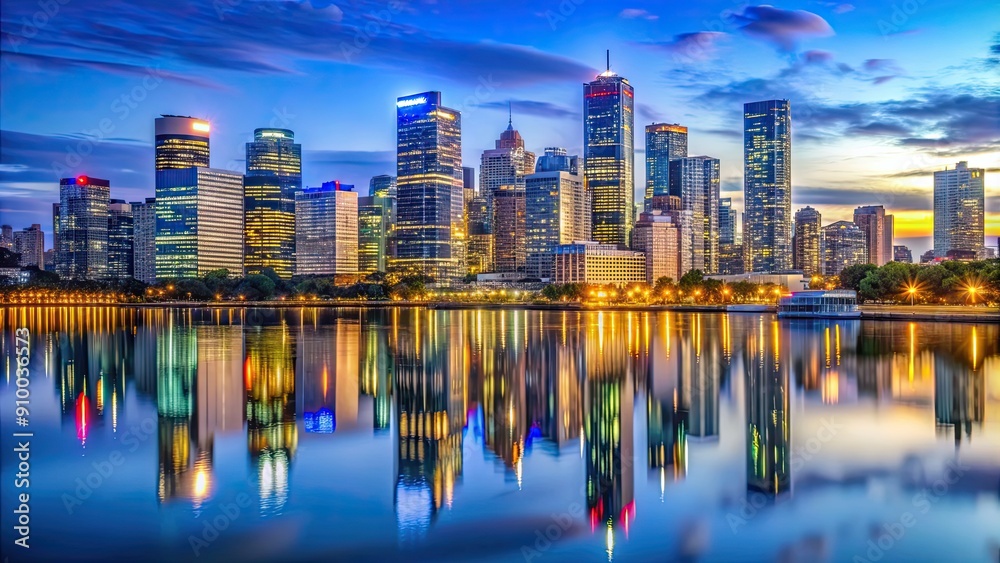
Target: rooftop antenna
(510,114)
(608,54)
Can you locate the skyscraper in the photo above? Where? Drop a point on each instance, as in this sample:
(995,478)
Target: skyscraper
(767,185)
(504,165)
(55,235)
(430,207)
(665,142)
(730,241)
(509,226)
(696,181)
(658,237)
(144,242)
(181,142)
(479,257)
(6,237)
(808,241)
(121,238)
(843,246)
(374,226)
(873,221)
(959,204)
(30,244)
(609,155)
(83,228)
(274,174)
(501,180)
(199,222)
(326,230)
(557,207)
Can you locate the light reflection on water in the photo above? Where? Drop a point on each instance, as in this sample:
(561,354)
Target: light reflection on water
(419,434)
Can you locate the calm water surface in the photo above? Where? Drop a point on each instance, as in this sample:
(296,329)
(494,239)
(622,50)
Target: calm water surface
(409,434)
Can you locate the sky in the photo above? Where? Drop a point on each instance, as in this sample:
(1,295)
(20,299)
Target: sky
(882,92)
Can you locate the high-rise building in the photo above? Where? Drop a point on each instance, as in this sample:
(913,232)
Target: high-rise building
(479,253)
(877,226)
(665,142)
(30,244)
(888,238)
(144,242)
(6,237)
(504,166)
(843,246)
(121,240)
(83,228)
(181,142)
(326,230)
(959,207)
(508,226)
(609,155)
(730,243)
(274,174)
(383,187)
(902,254)
(696,181)
(430,208)
(658,237)
(199,222)
(767,185)
(55,235)
(808,241)
(558,210)
(374,226)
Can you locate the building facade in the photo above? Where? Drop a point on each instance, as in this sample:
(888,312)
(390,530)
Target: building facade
(83,228)
(696,181)
(843,246)
(181,142)
(767,185)
(199,222)
(374,226)
(730,241)
(658,238)
(479,248)
(807,245)
(504,167)
(609,156)
(121,240)
(558,210)
(144,241)
(430,208)
(877,226)
(959,210)
(665,142)
(902,254)
(509,226)
(273,175)
(326,230)
(30,244)
(596,263)
(6,237)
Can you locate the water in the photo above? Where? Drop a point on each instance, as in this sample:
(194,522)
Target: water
(409,434)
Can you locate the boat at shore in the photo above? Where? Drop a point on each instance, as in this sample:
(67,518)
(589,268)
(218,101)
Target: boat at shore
(820,304)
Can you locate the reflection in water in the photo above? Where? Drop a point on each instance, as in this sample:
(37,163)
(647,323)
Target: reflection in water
(400,383)
(430,414)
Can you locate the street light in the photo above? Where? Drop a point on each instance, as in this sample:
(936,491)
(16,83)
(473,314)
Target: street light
(912,290)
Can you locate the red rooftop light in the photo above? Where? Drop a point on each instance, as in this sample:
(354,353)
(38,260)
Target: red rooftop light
(81,180)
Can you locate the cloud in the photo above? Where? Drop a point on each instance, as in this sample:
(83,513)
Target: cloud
(533,107)
(897,200)
(637,13)
(878,128)
(843,8)
(784,28)
(649,113)
(817,56)
(689,47)
(205,37)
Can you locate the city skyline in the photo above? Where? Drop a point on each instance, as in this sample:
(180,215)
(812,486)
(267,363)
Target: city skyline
(850,75)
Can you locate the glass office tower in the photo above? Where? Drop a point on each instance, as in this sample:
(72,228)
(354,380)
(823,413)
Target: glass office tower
(767,185)
(959,200)
(608,156)
(181,142)
(274,174)
(121,237)
(430,230)
(665,142)
(83,228)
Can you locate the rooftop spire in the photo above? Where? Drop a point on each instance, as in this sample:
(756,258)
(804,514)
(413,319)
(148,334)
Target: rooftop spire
(510,115)
(608,54)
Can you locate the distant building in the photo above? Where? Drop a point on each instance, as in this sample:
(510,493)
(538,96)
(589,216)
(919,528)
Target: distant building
(274,174)
(121,240)
(144,242)
(479,248)
(509,229)
(696,181)
(430,207)
(807,244)
(55,235)
(199,222)
(767,189)
(658,238)
(326,230)
(6,237)
(730,243)
(83,228)
(877,227)
(843,246)
(596,263)
(609,156)
(30,244)
(902,254)
(558,210)
(375,219)
(927,256)
(181,142)
(504,167)
(959,209)
(665,142)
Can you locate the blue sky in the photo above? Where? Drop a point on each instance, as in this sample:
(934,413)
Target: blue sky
(882,93)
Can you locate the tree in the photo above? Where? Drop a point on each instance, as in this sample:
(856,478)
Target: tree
(851,276)
(256,287)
